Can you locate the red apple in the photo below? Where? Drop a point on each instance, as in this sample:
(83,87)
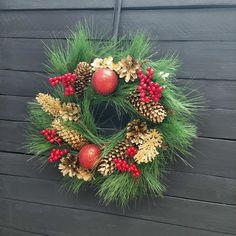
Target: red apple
(104,81)
(89,155)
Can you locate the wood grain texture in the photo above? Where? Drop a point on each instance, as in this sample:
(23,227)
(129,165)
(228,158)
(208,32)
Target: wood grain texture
(12,136)
(16,232)
(198,59)
(219,127)
(58,23)
(14,107)
(83,4)
(59,4)
(21,83)
(211,157)
(183,185)
(179,24)
(216,94)
(16,164)
(217,123)
(200,201)
(177,3)
(175,211)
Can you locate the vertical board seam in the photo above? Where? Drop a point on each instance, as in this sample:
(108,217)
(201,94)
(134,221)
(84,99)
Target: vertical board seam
(116,18)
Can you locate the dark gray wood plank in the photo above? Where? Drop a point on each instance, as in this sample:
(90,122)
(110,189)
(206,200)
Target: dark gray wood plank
(201,187)
(176,4)
(22,83)
(14,107)
(212,123)
(214,93)
(199,59)
(59,4)
(15,232)
(184,185)
(209,60)
(25,165)
(83,4)
(12,136)
(181,24)
(169,210)
(210,157)
(217,123)
(58,23)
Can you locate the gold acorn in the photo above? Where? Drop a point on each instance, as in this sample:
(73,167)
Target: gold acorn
(83,72)
(152,111)
(72,137)
(107,165)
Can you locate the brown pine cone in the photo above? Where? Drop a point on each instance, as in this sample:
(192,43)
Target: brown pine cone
(152,111)
(83,72)
(135,130)
(107,165)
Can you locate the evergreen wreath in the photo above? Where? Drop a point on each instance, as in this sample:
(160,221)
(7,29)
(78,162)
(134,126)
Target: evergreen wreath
(63,129)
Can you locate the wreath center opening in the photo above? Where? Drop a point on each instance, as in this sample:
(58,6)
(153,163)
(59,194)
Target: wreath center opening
(108,120)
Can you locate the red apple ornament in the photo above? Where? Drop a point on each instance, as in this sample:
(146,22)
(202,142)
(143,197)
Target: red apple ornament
(89,155)
(104,81)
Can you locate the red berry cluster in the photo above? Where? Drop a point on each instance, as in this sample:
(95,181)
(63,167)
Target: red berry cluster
(51,135)
(148,89)
(56,154)
(124,166)
(131,151)
(67,81)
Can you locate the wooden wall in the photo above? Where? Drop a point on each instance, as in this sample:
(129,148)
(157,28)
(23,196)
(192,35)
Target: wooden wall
(201,200)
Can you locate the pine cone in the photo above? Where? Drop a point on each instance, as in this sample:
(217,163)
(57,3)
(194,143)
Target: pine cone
(70,166)
(70,111)
(148,149)
(72,137)
(67,111)
(135,130)
(152,111)
(49,104)
(83,72)
(84,174)
(106,165)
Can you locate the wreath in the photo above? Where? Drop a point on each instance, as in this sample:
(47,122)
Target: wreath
(65,129)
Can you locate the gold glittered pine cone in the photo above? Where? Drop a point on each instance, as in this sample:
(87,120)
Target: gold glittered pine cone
(148,149)
(85,174)
(70,111)
(66,111)
(49,104)
(69,165)
(135,130)
(107,165)
(152,111)
(70,136)
(99,63)
(127,68)
(83,72)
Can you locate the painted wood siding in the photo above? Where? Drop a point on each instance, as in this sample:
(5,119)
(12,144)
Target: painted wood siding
(200,201)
